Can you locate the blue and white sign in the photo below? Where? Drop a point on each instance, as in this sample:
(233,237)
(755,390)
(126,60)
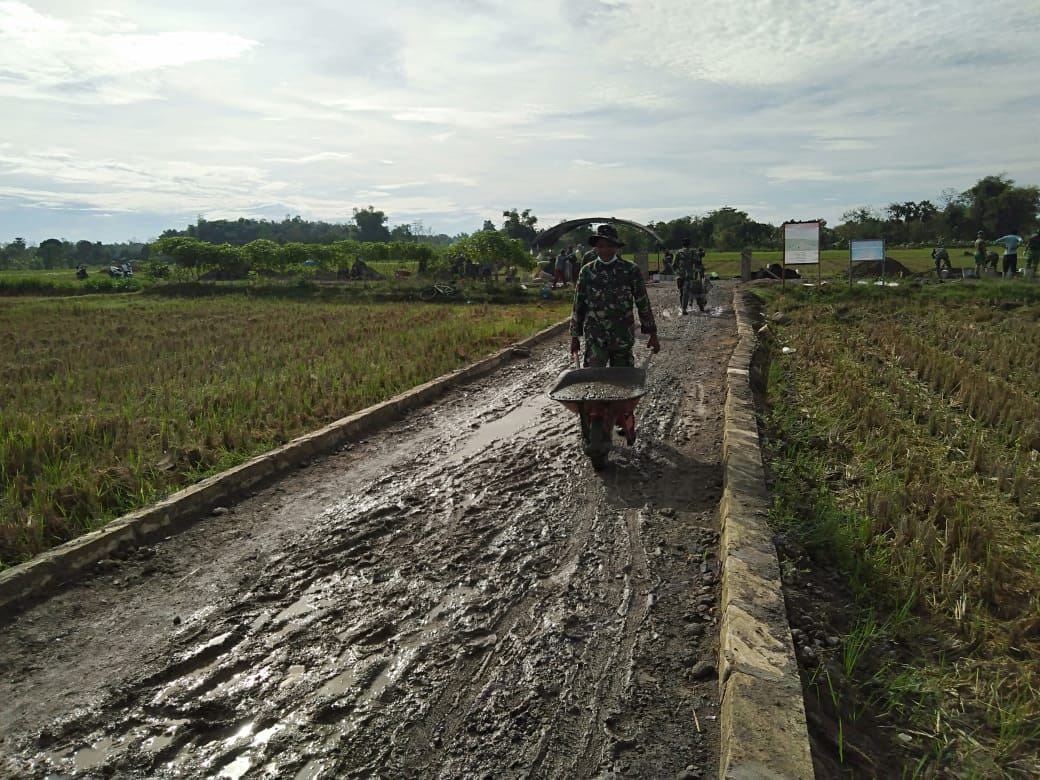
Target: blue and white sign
(867,250)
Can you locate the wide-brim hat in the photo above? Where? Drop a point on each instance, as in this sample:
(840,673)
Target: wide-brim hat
(608,232)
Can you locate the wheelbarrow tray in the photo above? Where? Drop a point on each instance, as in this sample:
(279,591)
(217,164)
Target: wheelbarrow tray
(604,385)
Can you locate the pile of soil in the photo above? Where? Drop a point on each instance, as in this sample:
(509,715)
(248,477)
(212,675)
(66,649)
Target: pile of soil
(873,268)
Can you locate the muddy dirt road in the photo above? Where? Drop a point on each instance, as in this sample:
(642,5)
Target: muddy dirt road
(460,595)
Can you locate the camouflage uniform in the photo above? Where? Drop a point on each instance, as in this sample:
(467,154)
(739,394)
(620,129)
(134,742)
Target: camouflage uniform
(691,272)
(603,301)
(1033,251)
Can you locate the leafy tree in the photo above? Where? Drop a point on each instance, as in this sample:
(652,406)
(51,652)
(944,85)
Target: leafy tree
(371,225)
(51,252)
(520,225)
(198,257)
(84,252)
(264,255)
(495,248)
(14,255)
(997,206)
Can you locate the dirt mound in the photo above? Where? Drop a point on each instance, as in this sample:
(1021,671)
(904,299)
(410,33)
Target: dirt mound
(873,268)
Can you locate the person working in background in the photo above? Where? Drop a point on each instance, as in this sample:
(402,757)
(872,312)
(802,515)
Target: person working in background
(1033,252)
(941,258)
(1011,243)
(980,254)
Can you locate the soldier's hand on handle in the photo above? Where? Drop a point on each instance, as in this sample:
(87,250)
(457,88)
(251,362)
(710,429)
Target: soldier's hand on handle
(575,345)
(654,344)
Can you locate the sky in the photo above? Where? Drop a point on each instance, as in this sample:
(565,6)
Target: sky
(120,119)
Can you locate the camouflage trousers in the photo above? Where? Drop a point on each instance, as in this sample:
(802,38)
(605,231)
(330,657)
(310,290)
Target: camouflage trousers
(598,355)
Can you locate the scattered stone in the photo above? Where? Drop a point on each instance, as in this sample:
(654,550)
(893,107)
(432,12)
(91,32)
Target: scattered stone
(702,670)
(176,620)
(906,739)
(219,510)
(689,773)
(833,641)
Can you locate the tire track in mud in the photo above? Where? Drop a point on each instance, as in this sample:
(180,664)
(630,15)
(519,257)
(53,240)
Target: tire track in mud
(466,599)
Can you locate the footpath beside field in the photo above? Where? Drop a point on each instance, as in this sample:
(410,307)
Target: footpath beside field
(459,595)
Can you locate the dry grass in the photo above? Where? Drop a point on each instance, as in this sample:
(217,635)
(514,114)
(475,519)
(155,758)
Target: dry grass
(106,405)
(921,432)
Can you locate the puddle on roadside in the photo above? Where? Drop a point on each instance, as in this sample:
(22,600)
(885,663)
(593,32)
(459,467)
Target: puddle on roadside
(161,741)
(188,682)
(88,757)
(264,736)
(236,768)
(339,684)
(242,681)
(515,424)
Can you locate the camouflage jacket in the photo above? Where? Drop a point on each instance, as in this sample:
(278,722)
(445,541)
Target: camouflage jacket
(603,301)
(688,262)
(1033,248)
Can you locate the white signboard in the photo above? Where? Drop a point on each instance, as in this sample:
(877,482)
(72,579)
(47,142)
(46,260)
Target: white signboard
(801,243)
(867,250)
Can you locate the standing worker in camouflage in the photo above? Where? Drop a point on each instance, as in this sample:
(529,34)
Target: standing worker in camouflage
(1033,253)
(606,290)
(691,277)
(941,258)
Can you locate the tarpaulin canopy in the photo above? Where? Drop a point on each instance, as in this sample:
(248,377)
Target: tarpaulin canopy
(552,235)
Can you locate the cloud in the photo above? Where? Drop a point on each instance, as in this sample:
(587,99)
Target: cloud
(798,173)
(47,58)
(456,110)
(312,158)
(590,164)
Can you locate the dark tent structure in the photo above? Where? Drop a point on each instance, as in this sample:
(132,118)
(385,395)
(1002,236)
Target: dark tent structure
(551,235)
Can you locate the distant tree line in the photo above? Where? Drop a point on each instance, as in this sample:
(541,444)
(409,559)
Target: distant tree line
(995,205)
(367,225)
(263,256)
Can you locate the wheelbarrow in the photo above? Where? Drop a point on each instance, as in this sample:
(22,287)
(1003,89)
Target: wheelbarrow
(603,398)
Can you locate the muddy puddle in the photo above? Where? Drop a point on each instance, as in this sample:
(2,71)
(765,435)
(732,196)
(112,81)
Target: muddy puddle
(463,597)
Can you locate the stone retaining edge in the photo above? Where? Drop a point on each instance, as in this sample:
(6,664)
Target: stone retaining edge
(179,510)
(763,727)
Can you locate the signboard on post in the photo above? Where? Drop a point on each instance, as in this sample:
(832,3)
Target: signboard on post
(801,246)
(867,251)
(801,243)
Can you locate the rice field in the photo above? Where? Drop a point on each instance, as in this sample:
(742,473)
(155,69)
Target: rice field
(108,403)
(905,431)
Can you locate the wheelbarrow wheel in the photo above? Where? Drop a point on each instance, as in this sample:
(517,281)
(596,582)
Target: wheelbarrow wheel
(597,446)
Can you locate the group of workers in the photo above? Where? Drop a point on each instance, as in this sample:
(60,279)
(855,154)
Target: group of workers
(985,259)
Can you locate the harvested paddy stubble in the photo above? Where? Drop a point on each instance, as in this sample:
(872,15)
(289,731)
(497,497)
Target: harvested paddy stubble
(106,405)
(905,451)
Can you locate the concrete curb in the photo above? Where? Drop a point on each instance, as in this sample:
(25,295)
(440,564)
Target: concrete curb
(177,511)
(763,727)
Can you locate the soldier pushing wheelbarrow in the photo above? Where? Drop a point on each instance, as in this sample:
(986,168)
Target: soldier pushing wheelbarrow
(606,291)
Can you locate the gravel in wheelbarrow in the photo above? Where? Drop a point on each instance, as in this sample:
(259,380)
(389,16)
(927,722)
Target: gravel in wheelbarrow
(599,384)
